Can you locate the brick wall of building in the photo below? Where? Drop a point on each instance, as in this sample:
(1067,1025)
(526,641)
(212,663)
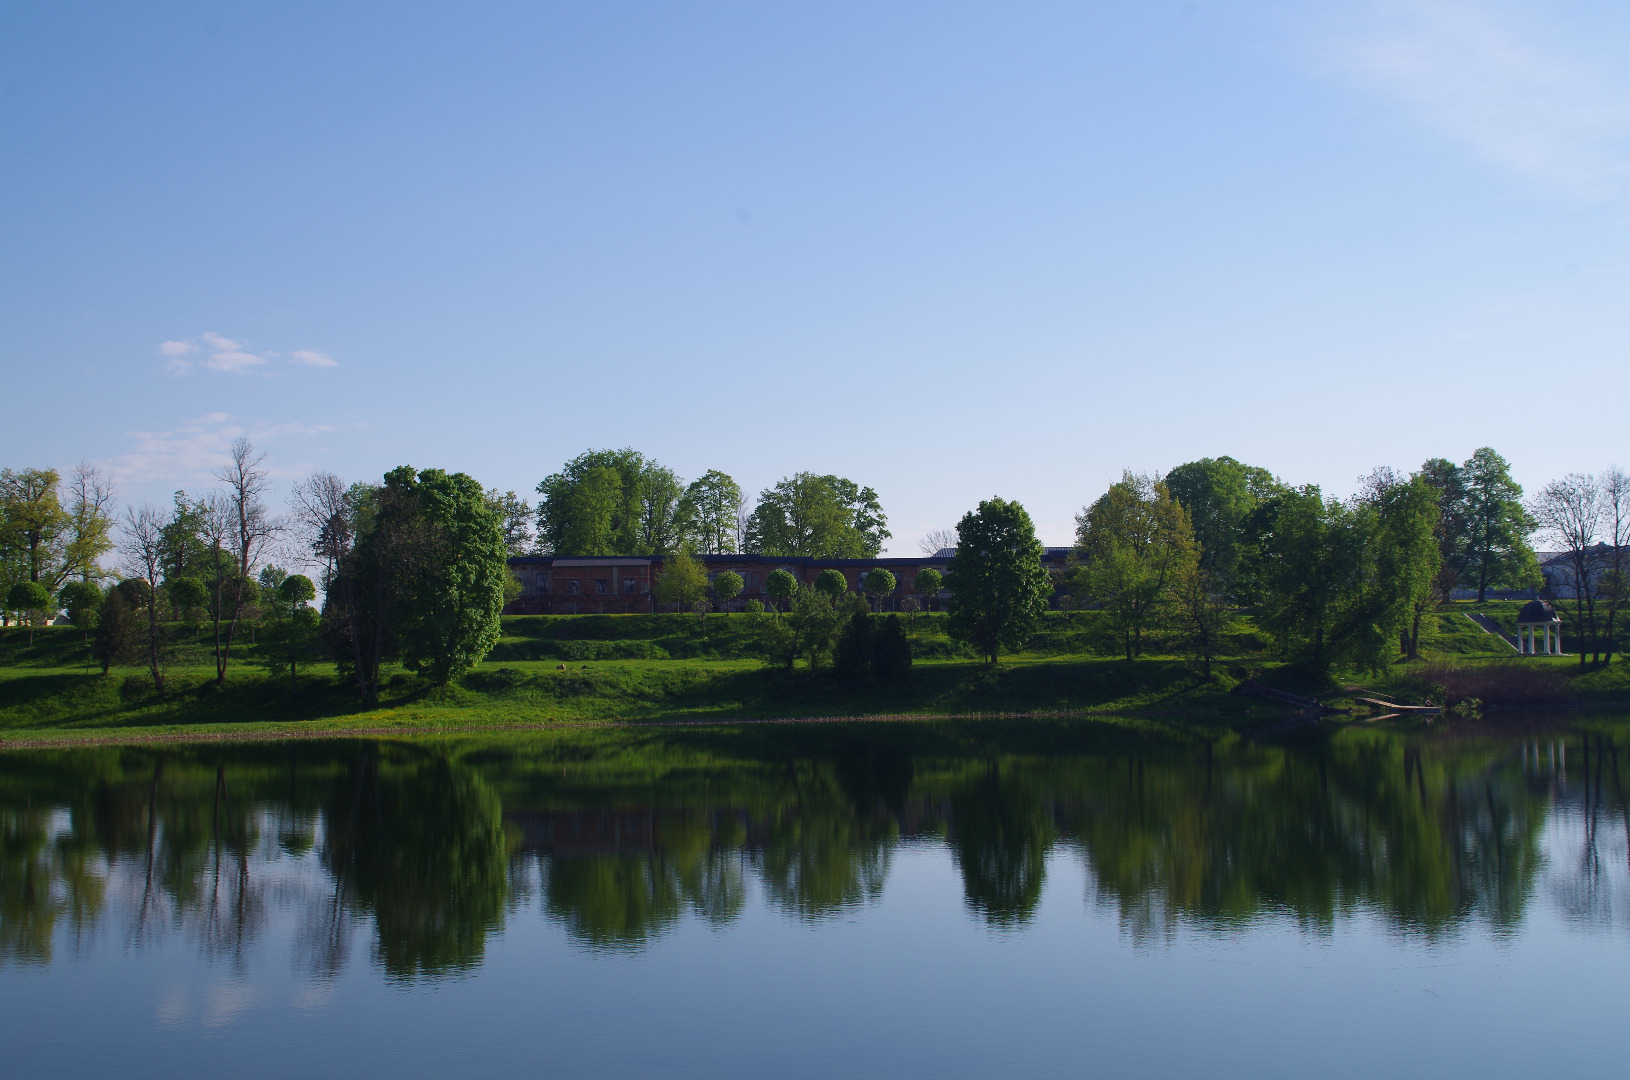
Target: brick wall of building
(622,585)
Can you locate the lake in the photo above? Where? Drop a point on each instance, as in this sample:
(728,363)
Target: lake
(958,899)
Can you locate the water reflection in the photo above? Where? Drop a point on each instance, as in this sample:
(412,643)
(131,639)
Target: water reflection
(427,848)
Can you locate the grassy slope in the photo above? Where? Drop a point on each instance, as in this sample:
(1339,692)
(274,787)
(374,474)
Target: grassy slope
(658,668)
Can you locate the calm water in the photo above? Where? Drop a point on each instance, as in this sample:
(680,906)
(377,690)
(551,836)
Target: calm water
(822,901)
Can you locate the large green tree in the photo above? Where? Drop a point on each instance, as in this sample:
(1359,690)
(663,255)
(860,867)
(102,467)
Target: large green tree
(824,517)
(1409,556)
(424,581)
(610,502)
(998,585)
(44,540)
(517,515)
(709,513)
(1135,544)
(1219,495)
(1496,551)
(1339,580)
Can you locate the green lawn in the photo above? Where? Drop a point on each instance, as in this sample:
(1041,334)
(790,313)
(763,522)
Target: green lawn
(549,670)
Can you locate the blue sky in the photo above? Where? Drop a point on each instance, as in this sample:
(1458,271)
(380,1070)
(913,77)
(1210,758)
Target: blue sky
(949,250)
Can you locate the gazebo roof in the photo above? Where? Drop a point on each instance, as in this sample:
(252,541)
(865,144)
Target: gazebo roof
(1537,611)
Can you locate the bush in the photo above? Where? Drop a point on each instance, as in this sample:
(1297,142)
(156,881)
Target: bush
(854,652)
(753,607)
(891,651)
(1521,683)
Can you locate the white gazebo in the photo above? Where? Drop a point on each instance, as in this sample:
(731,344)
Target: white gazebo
(1539,625)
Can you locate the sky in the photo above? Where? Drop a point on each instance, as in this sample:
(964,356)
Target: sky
(948,250)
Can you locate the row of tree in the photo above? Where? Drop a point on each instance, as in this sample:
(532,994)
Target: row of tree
(413,568)
(1341,582)
(619,502)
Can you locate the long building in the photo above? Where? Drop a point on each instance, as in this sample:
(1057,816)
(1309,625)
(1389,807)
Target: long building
(604,585)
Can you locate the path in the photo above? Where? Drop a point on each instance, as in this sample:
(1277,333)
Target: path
(1491,627)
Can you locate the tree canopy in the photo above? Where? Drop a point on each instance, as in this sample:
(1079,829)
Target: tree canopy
(1135,544)
(424,581)
(609,502)
(998,586)
(824,517)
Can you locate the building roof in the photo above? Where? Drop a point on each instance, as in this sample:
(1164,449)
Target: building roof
(1537,611)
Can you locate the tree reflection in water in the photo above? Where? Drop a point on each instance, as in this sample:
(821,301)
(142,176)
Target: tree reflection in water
(427,848)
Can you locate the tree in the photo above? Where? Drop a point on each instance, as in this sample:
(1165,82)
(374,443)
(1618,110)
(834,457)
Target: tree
(891,650)
(1445,479)
(90,523)
(325,517)
(727,586)
(709,512)
(186,553)
(936,541)
(1409,555)
(1219,495)
(516,514)
(30,599)
(1569,512)
(808,632)
(780,585)
(928,583)
(683,581)
(188,596)
(609,502)
(83,602)
(423,579)
(824,517)
(853,656)
(831,584)
(238,527)
(459,596)
(998,586)
(1134,544)
(1201,613)
(1496,545)
(142,548)
(35,527)
(1330,588)
(1613,584)
(292,636)
(118,637)
(880,583)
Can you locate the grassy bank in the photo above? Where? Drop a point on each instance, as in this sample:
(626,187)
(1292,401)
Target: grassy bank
(655,668)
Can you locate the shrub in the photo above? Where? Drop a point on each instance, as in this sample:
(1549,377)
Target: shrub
(753,607)
(1520,683)
(891,651)
(854,652)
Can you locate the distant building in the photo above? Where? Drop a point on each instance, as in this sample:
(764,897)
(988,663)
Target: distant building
(1562,580)
(605,585)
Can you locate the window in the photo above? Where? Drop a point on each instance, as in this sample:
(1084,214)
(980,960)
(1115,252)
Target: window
(601,587)
(540,585)
(571,587)
(628,586)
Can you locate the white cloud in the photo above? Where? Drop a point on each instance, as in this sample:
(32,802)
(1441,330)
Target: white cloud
(225,354)
(189,455)
(1499,79)
(233,361)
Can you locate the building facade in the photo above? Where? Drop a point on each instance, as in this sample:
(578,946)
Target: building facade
(612,585)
